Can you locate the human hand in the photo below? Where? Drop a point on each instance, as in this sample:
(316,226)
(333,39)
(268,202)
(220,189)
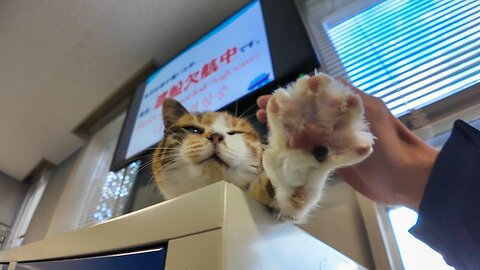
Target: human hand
(398,169)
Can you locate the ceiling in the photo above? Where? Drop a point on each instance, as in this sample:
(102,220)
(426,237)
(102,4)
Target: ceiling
(60,59)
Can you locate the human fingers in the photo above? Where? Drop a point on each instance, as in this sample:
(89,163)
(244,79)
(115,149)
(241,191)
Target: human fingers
(366,98)
(347,83)
(262,115)
(262,101)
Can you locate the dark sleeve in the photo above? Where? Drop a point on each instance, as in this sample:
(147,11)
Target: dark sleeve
(449,214)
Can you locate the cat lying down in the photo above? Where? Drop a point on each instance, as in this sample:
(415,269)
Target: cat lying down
(199,149)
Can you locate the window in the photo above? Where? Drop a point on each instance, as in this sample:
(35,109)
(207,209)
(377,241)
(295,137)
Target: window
(94,194)
(25,215)
(410,53)
(4,232)
(114,193)
(415,254)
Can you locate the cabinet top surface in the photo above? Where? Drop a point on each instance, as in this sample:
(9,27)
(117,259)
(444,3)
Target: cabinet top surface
(195,212)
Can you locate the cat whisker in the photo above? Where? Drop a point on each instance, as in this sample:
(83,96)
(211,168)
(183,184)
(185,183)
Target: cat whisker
(249,115)
(236,109)
(160,169)
(168,163)
(142,156)
(168,148)
(125,151)
(149,163)
(150,180)
(131,161)
(194,147)
(145,166)
(151,148)
(247,110)
(155,172)
(192,153)
(170,153)
(162,158)
(168,159)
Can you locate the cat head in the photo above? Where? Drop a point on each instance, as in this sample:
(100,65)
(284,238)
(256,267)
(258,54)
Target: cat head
(205,148)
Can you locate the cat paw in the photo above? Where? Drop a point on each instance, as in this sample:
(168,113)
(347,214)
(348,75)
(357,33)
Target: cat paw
(332,109)
(336,114)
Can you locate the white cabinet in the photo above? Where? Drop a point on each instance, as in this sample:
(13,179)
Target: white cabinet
(216,227)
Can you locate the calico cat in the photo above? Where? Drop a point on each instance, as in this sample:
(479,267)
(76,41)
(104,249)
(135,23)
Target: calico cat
(202,148)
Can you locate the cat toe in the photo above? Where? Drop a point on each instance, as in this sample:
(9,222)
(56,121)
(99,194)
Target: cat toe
(352,101)
(364,150)
(299,197)
(273,106)
(318,82)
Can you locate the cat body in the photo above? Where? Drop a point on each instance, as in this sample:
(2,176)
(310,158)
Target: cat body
(202,148)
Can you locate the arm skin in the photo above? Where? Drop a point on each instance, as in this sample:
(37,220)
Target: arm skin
(397,171)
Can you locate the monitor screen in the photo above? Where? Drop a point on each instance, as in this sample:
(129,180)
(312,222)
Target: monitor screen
(224,65)
(258,48)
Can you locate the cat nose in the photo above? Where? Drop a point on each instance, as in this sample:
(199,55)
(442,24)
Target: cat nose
(215,138)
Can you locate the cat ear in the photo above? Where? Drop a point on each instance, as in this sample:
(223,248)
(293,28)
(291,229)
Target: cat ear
(172,111)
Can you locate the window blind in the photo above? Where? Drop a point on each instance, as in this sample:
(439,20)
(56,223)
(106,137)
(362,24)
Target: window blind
(92,194)
(410,53)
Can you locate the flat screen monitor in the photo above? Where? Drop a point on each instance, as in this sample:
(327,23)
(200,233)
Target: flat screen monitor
(262,45)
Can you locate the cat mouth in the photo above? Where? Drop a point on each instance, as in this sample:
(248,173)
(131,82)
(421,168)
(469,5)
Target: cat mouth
(214,158)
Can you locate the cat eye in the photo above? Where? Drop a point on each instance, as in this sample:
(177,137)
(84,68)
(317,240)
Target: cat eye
(233,132)
(193,129)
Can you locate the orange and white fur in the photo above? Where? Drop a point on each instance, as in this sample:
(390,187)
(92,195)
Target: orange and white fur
(202,148)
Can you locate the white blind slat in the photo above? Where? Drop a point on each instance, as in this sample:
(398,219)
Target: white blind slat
(406,26)
(428,41)
(409,53)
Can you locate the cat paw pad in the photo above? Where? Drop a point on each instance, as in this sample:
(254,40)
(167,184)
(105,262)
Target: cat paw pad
(326,119)
(331,108)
